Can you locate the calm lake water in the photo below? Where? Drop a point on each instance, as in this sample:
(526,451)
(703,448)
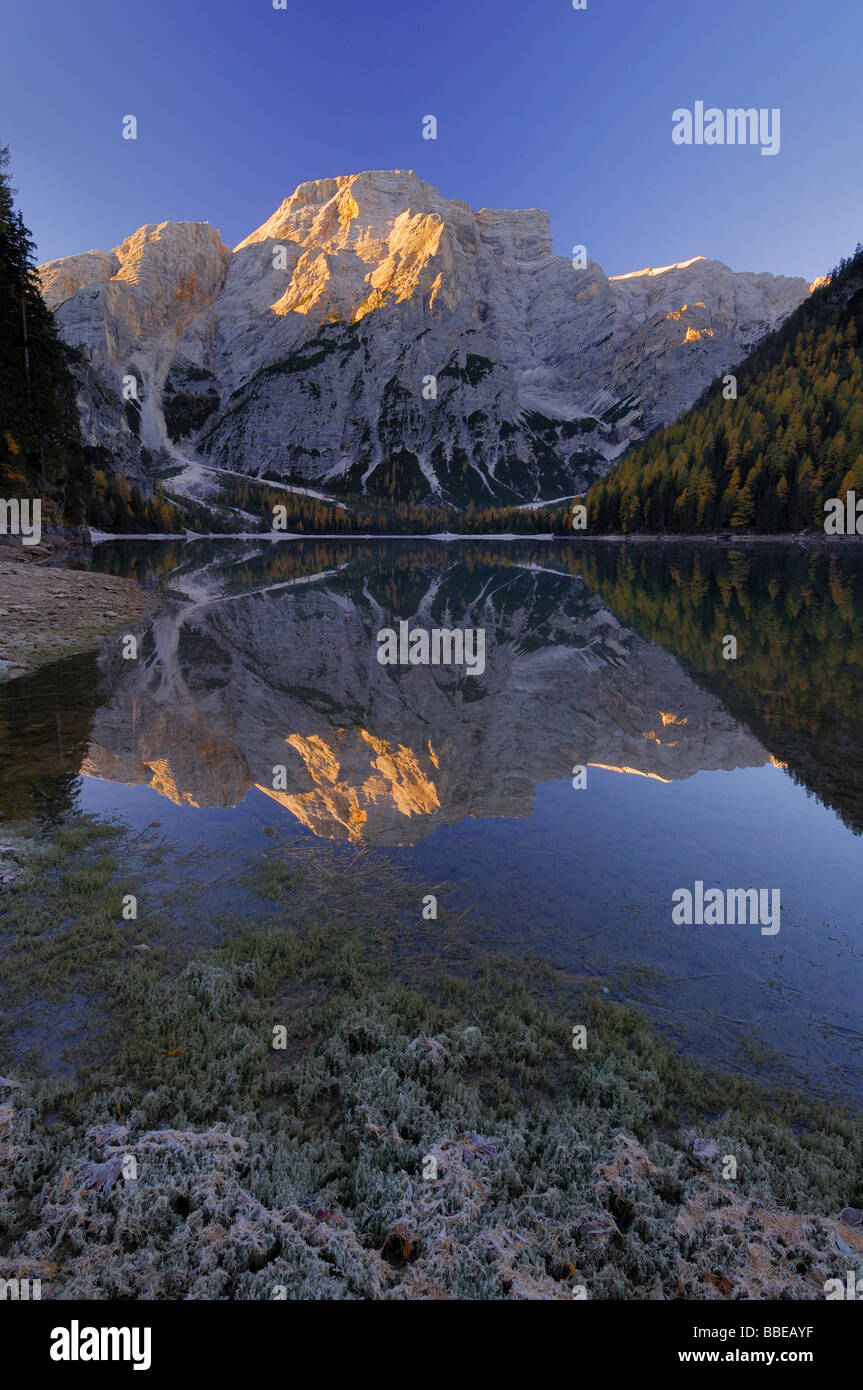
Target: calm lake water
(737,773)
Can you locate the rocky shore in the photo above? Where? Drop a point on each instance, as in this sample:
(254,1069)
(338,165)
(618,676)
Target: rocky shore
(48,613)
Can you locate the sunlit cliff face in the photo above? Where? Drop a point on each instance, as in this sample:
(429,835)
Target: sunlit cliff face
(411,245)
(280,693)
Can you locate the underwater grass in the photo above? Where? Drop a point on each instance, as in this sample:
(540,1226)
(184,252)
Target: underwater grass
(301,1168)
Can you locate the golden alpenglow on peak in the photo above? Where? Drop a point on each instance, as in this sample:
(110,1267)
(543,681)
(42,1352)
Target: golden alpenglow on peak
(325,209)
(658,270)
(353,245)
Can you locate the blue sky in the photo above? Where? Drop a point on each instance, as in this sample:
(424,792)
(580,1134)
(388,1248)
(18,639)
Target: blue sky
(538,105)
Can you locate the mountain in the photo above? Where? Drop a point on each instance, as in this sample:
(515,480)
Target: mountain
(768,459)
(305,355)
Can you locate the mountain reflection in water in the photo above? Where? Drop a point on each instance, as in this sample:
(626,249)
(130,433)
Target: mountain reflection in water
(234,682)
(257,696)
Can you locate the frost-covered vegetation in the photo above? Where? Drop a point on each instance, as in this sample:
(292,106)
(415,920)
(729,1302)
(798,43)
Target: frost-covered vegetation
(410,1047)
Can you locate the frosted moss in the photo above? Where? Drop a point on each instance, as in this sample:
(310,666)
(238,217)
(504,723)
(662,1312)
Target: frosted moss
(303,1168)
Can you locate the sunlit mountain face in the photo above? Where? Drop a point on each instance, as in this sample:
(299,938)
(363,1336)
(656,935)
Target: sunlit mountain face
(375,337)
(252,678)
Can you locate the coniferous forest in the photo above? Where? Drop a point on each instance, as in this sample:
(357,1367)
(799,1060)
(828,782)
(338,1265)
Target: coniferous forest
(40,448)
(768,460)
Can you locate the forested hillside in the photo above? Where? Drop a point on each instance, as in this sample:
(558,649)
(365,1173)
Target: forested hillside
(767,460)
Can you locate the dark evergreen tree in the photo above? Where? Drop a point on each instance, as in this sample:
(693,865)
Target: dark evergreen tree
(40,449)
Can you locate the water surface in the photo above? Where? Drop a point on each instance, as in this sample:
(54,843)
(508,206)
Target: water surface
(738,773)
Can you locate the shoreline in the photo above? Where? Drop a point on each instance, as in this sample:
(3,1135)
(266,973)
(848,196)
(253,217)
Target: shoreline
(617,538)
(47,613)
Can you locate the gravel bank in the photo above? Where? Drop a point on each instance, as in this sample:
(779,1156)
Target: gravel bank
(46,613)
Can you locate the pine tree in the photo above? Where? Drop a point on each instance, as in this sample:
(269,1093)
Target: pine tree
(39,439)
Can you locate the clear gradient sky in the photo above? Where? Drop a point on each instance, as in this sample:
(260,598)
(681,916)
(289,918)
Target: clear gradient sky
(538,105)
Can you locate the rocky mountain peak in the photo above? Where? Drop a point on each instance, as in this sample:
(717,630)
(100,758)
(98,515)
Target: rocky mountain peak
(373,324)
